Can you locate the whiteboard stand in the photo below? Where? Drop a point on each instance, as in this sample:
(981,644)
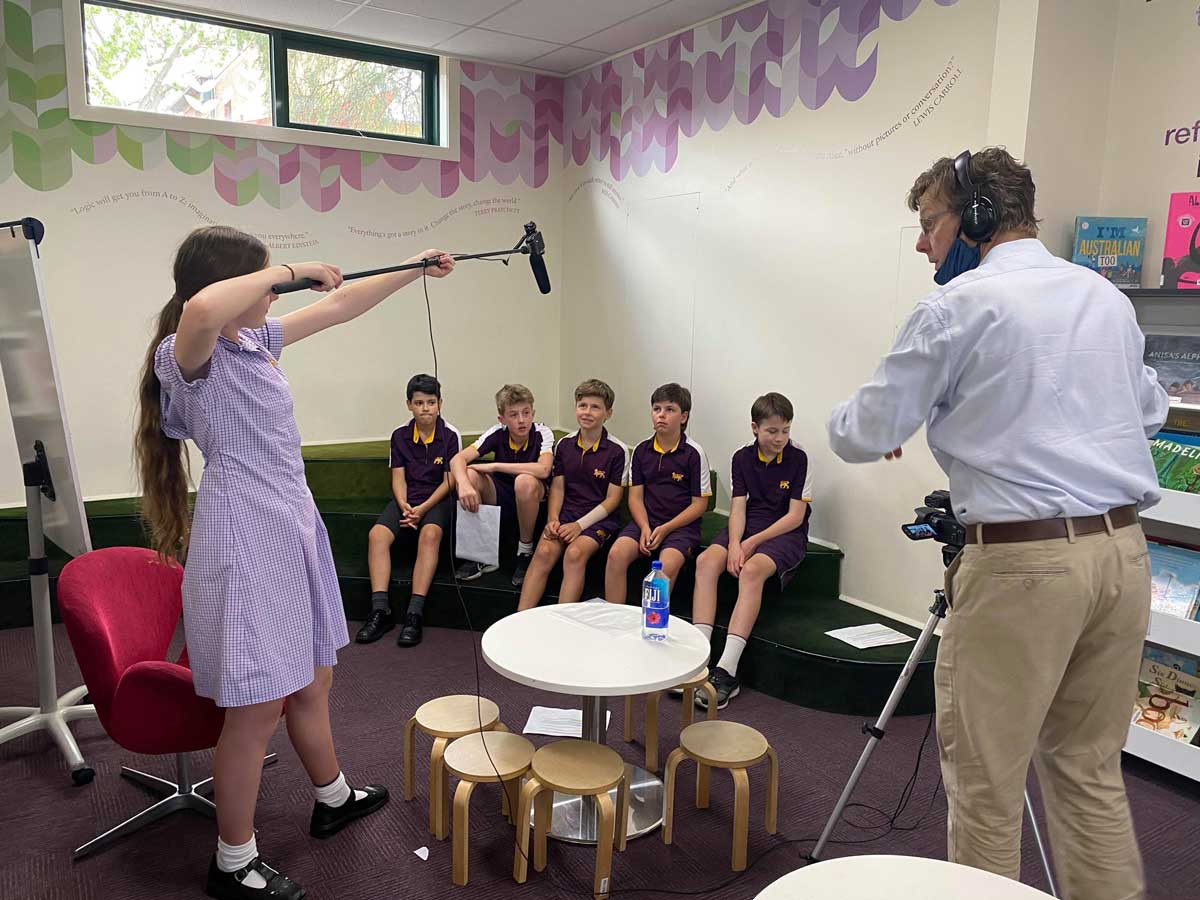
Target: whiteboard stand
(39,420)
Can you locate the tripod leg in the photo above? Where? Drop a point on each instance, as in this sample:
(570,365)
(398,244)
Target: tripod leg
(876,732)
(1037,836)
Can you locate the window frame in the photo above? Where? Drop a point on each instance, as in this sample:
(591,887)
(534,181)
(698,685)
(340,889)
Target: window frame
(283,41)
(441,90)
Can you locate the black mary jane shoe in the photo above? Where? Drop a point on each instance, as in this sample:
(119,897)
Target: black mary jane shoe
(329,820)
(377,625)
(410,634)
(229,886)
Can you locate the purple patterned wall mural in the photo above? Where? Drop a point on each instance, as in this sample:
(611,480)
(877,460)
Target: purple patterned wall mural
(509,121)
(633,110)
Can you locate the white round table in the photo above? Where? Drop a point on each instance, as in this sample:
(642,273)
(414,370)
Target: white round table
(596,651)
(897,878)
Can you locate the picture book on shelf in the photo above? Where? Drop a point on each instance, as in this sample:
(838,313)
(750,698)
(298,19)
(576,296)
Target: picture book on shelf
(1165,712)
(1176,360)
(1170,679)
(1181,662)
(1177,460)
(1112,246)
(1181,245)
(1174,580)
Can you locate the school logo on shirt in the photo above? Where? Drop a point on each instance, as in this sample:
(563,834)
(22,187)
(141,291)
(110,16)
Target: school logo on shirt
(785,485)
(598,473)
(677,476)
(437,460)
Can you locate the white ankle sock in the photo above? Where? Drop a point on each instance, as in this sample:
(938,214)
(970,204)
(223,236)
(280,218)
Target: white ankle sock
(734,646)
(524,549)
(231,857)
(706,630)
(337,792)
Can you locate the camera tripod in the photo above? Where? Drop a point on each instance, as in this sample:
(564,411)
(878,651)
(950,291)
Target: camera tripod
(876,733)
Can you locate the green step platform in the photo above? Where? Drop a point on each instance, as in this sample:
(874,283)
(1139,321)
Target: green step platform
(789,656)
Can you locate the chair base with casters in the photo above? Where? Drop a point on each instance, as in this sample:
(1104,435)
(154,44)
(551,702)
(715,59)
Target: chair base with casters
(445,719)
(176,796)
(583,769)
(687,714)
(483,758)
(732,746)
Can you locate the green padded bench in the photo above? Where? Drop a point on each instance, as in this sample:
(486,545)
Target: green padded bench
(789,655)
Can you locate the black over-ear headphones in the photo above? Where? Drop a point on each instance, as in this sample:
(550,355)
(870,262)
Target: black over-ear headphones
(979,215)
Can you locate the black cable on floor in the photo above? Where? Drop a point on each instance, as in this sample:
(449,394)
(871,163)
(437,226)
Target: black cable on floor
(892,820)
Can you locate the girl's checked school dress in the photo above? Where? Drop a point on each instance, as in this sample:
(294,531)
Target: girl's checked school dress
(261,605)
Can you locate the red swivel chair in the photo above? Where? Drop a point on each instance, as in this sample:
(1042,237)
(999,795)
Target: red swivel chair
(121,606)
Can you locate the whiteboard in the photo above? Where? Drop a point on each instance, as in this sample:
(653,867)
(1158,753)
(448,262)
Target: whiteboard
(34,391)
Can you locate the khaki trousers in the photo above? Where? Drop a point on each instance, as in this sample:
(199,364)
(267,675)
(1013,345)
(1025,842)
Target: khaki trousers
(1039,661)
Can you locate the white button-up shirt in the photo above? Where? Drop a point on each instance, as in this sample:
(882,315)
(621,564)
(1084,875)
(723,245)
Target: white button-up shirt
(1028,373)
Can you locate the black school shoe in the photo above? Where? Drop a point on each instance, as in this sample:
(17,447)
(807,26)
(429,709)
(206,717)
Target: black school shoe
(329,820)
(410,634)
(228,885)
(726,686)
(377,625)
(523,560)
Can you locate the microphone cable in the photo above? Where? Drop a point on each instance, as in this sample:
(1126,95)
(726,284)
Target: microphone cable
(892,820)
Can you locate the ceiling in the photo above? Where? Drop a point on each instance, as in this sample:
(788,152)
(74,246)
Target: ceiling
(557,36)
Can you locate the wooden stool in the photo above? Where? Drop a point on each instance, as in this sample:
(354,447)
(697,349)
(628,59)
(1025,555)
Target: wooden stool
(583,769)
(476,759)
(445,719)
(689,689)
(732,746)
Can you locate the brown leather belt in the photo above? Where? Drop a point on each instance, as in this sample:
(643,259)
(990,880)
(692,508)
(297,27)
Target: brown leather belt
(1048,529)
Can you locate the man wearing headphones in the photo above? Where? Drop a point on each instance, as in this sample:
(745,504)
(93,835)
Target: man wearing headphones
(1027,371)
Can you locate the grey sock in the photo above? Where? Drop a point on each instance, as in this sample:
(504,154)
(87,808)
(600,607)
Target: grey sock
(416,606)
(379,600)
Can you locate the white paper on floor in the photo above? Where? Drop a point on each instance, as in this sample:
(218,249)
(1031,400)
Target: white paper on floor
(559,722)
(422,852)
(864,636)
(477,535)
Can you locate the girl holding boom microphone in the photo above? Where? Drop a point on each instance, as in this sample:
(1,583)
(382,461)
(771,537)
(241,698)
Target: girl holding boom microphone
(262,611)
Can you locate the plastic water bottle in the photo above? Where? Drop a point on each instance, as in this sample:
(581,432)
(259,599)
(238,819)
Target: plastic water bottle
(656,604)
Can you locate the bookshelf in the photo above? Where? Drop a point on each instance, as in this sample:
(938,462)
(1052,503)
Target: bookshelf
(1176,518)
(1164,751)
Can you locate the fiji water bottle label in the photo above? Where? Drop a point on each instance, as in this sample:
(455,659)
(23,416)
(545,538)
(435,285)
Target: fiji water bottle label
(655,609)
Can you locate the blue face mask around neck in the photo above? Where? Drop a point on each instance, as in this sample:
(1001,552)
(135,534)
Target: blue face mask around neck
(960,258)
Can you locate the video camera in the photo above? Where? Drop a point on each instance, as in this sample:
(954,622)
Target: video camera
(936,520)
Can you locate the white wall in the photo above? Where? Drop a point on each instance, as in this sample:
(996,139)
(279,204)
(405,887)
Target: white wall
(795,271)
(1153,90)
(1072,73)
(107,268)
(769,256)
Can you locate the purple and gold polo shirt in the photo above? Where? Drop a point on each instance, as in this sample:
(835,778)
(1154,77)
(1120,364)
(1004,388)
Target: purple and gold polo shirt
(770,484)
(424,462)
(588,471)
(670,478)
(498,441)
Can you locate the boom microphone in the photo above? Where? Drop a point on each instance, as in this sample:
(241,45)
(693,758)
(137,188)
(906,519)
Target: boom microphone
(537,247)
(531,243)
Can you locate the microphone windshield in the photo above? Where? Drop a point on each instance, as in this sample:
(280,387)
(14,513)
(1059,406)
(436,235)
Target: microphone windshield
(540,275)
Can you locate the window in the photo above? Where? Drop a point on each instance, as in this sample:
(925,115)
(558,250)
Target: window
(145,60)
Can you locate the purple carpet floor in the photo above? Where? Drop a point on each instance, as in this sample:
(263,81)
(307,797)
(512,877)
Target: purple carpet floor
(377,687)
